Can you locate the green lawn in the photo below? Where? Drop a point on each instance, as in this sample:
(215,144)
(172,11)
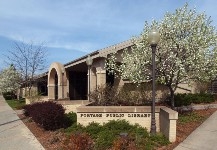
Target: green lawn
(190,117)
(16,104)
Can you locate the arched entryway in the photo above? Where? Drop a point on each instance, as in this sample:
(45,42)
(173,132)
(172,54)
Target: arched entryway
(56,78)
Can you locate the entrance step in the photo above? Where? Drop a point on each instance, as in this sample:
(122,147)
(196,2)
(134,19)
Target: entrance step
(71,105)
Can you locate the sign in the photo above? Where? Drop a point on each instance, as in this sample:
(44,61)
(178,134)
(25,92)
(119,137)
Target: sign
(114,115)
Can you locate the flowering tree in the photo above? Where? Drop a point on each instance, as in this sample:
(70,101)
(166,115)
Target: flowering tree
(9,80)
(186,51)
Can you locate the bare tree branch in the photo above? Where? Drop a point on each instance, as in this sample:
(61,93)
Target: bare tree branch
(29,60)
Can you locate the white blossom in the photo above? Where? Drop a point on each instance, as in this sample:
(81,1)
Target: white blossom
(9,80)
(186,51)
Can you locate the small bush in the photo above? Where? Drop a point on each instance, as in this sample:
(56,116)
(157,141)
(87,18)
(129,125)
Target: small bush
(70,118)
(188,99)
(27,109)
(9,95)
(93,129)
(118,126)
(105,140)
(80,141)
(139,132)
(125,96)
(49,115)
(128,95)
(115,135)
(75,128)
(159,139)
(124,143)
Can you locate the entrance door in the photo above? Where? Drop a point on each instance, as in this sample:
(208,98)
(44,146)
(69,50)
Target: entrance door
(110,78)
(77,85)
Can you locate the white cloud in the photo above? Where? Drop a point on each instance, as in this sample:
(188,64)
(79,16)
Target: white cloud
(83,25)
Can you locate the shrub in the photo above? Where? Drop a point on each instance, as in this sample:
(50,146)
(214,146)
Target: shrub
(75,128)
(115,135)
(49,115)
(70,118)
(182,100)
(139,132)
(128,95)
(118,126)
(159,139)
(27,109)
(9,95)
(197,98)
(34,97)
(105,140)
(111,135)
(93,129)
(124,143)
(79,141)
(104,95)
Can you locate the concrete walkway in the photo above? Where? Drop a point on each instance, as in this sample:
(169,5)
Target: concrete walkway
(14,135)
(203,138)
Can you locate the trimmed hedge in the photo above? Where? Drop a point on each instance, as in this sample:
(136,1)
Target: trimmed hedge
(197,98)
(9,95)
(49,115)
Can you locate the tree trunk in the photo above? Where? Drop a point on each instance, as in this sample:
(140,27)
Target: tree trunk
(172,101)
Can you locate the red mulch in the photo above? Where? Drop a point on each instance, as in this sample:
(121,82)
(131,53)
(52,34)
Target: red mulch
(50,140)
(53,140)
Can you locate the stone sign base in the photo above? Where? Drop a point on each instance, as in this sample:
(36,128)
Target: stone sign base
(165,117)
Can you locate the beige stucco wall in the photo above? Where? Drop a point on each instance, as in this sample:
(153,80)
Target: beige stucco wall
(185,88)
(116,113)
(165,117)
(98,73)
(23,92)
(168,118)
(30,100)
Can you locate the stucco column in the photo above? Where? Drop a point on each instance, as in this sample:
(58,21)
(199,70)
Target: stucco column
(88,82)
(66,86)
(93,84)
(63,85)
(60,91)
(101,78)
(51,91)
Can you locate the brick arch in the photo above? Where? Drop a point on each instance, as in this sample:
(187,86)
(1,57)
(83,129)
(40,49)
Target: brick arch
(58,69)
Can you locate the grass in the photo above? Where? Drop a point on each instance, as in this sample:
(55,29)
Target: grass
(16,104)
(190,117)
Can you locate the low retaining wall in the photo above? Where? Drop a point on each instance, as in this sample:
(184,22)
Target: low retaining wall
(165,117)
(40,99)
(196,107)
(168,118)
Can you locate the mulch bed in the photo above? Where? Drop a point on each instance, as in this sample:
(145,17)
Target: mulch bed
(54,140)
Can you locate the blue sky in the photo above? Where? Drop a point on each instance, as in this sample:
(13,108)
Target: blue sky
(73,28)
